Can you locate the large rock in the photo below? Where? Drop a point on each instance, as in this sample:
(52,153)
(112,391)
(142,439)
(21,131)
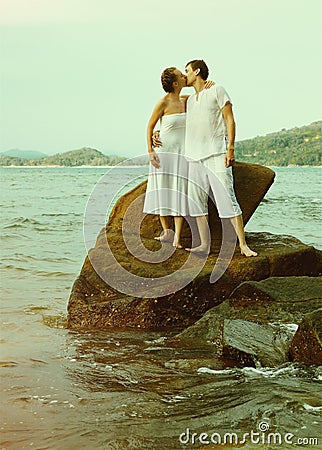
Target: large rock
(251,182)
(175,292)
(307,342)
(93,303)
(260,320)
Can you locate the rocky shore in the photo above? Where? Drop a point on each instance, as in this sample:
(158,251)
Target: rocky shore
(221,316)
(267,322)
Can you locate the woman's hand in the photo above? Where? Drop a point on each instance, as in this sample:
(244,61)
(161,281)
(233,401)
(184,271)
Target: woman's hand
(154,160)
(209,84)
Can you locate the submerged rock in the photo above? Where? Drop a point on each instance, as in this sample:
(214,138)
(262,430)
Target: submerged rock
(307,342)
(260,320)
(267,344)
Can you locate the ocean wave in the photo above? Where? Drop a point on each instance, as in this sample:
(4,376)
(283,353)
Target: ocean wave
(62,214)
(35,272)
(20,257)
(14,235)
(21,222)
(12,266)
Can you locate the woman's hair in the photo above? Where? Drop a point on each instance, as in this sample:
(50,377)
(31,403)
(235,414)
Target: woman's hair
(199,64)
(168,77)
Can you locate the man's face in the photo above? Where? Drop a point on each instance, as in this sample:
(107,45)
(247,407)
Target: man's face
(190,74)
(181,78)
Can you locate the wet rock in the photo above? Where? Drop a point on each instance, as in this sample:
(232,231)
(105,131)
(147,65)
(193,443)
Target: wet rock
(129,280)
(93,303)
(267,344)
(259,320)
(307,342)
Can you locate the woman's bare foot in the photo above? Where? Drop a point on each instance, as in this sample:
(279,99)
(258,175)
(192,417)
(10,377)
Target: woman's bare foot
(246,251)
(200,250)
(165,236)
(176,243)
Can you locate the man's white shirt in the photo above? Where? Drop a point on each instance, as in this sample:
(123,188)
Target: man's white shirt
(206,130)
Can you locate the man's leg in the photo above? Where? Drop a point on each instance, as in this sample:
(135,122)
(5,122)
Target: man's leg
(203,229)
(222,186)
(198,189)
(238,224)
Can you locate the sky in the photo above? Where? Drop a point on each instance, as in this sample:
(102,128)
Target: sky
(86,73)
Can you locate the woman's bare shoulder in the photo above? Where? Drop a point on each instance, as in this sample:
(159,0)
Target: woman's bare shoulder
(163,101)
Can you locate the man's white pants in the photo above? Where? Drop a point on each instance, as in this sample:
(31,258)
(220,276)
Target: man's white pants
(211,173)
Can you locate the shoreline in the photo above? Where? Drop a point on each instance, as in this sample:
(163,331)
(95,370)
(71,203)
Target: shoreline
(72,167)
(129,166)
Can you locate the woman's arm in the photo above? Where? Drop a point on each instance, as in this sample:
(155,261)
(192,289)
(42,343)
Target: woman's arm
(155,116)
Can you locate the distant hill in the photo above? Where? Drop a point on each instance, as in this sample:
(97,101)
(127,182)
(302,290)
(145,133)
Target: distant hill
(25,154)
(82,157)
(297,146)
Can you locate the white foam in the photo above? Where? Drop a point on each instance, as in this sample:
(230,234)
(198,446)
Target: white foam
(213,371)
(312,408)
(268,372)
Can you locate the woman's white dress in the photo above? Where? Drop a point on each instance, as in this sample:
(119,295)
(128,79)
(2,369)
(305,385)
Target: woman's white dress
(166,192)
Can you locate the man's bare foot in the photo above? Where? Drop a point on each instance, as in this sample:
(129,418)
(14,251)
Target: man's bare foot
(246,251)
(165,236)
(200,250)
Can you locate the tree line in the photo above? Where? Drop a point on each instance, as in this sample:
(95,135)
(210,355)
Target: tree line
(298,146)
(73,158)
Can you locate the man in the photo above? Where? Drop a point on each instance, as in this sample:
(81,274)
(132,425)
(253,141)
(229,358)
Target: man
(209,147)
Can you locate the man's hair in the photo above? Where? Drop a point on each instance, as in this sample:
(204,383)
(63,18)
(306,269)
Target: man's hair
(168,77)
(199,64)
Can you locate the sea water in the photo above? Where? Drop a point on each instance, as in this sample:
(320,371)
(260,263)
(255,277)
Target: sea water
(64,389)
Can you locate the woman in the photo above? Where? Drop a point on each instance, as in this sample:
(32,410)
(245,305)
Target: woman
(165,194)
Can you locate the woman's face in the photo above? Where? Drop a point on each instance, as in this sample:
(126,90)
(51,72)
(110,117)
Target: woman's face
(181,78)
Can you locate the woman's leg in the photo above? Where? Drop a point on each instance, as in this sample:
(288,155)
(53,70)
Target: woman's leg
(178,223)
(166,234)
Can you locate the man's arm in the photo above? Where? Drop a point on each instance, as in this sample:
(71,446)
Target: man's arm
(228,115)
(156,139)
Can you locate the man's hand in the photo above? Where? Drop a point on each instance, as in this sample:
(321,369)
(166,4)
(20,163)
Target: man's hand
(229,158)
(155,139)
(154,159)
